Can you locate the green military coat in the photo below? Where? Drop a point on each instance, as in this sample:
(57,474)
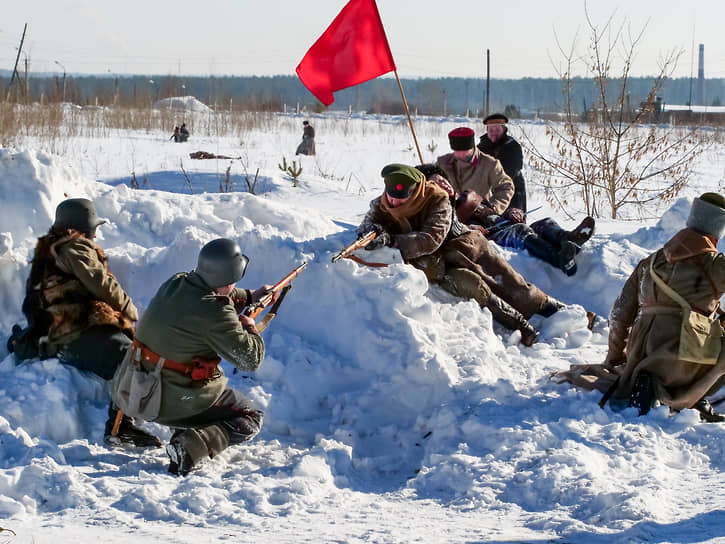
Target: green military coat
(187,319)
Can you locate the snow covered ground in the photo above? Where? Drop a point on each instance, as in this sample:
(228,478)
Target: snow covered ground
(394,412)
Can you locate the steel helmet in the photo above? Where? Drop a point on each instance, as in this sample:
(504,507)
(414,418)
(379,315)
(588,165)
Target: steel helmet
(78,214)
(221,263)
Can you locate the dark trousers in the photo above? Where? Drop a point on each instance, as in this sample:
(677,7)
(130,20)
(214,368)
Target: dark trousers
(99,350)
(233,412)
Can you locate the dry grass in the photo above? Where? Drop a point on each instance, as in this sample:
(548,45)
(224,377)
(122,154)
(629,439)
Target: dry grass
(49,124)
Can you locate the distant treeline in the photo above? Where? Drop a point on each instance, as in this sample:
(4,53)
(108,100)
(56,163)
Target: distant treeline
(274,93)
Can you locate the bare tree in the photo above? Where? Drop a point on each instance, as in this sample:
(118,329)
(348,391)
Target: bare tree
(608,158)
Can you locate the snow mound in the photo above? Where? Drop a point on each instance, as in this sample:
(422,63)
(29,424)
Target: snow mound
(182,103)
(374,382)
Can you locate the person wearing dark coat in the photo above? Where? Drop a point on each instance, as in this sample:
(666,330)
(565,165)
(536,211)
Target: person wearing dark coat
(499,144)
(307,146)
(552,243)
(183,133)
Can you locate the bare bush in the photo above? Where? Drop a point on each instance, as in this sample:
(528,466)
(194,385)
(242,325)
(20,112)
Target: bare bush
(606,158)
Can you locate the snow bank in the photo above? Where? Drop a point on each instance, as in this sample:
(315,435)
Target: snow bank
(182,103)
(378,390)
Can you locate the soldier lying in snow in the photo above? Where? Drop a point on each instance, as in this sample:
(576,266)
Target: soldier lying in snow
(543,239)
(484,192)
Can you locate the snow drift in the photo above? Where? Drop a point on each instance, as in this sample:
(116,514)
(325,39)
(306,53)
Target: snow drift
(374,382)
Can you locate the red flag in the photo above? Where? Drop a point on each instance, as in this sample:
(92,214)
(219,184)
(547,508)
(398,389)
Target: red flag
(353,49)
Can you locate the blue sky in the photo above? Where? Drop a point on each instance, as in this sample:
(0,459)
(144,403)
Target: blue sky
(427,37)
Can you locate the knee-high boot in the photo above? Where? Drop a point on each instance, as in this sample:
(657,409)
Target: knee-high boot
(549,230)
(190,446)
(465,283)
(562,258)
(511,318)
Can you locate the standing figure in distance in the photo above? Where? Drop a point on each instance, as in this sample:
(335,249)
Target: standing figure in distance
(307,146)
(183,133)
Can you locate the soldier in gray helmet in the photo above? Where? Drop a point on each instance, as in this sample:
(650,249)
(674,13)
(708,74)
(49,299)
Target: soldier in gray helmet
(75,308)
(171,374)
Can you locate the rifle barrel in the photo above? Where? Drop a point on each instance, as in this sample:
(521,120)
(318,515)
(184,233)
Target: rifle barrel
(255,309)
(357,244)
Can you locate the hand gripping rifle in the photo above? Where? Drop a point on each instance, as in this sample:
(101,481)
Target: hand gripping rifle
(346,253)
(281,287)
(357,244)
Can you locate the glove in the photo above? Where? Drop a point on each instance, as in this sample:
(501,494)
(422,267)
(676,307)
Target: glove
(515,215)
(382,239)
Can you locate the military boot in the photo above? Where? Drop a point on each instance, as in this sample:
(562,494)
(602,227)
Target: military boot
(550,306)
(549,230)
(190,446)
(643,393)
(582,232)
(511,318)
(128,433)
(563,258)
(707,412)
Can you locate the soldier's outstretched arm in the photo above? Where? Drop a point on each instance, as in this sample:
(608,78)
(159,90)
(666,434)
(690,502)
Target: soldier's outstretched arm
(242,348)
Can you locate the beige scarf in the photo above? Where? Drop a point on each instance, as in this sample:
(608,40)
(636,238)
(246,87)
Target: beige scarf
(410,207)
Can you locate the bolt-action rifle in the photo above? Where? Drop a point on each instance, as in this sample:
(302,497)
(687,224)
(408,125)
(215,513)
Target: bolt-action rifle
(357,244)
(281,287)
(500,225)
(361,242)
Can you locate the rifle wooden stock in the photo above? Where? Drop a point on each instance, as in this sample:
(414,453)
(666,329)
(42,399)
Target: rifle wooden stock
(357,244)
(253,310)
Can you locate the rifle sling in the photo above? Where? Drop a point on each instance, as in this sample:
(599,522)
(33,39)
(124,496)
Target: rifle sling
(273,310)
(366,263)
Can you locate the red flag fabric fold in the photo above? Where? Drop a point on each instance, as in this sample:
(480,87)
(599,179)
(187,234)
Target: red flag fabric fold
(352,50)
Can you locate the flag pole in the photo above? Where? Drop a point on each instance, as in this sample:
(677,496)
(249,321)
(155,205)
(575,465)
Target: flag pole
(410,121)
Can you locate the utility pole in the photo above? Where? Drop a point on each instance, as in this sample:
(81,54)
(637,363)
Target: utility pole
(466,82)
(59,64)
(17,59)
(27,83)
(488,78)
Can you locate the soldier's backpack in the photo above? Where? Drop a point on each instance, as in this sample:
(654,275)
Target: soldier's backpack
(700,335)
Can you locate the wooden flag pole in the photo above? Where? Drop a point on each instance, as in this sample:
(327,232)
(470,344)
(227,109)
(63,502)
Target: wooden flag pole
(407,112)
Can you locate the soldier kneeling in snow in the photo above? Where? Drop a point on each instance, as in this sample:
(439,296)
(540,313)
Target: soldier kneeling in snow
(171,374)
(415,215)
(75,308)
(665,340)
